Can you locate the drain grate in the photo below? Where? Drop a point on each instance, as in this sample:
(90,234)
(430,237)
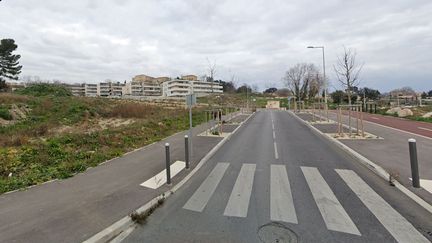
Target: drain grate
(276,233)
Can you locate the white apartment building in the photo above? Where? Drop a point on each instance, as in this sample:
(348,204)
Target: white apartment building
(190,84)
(78,89)
(143,85)
(92,90)
(136,88)
(103,89)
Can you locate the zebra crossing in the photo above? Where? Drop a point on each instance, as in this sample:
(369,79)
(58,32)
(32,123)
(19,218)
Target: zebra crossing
(282,206)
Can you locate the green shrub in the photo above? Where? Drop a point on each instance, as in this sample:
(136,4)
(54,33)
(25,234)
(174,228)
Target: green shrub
(5,114)
(45,89)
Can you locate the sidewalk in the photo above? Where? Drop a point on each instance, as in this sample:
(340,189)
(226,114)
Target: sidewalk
(390,152)
(74,209)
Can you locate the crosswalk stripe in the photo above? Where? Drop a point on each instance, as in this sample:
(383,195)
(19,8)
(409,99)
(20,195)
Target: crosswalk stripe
(238,202)
(202,195)
(334,215)
(396,224)
(281,201)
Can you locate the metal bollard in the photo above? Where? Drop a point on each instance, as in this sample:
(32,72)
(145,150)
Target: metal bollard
(187,151)
(414,162)
(168,169)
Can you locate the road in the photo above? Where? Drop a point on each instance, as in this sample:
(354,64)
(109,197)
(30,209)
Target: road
(276,180)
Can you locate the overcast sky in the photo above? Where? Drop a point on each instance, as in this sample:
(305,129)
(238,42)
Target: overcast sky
(256,41)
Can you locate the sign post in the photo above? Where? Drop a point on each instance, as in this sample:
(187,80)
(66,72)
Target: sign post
(190,101)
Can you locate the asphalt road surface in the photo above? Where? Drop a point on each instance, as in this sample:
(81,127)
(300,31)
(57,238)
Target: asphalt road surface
(276,181)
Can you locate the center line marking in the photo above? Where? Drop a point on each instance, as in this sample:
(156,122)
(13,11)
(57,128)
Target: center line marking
(275,150)
(427,129)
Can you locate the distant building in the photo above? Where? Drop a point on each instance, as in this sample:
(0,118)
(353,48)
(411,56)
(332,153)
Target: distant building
(78,89)
(147,86)
(189,84)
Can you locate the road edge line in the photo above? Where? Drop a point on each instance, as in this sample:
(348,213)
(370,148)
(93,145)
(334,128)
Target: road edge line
(126,222)
(378,170)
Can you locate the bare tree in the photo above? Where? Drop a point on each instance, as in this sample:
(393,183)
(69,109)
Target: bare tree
(299,78)
(316,84)
(212,72)
(348,71)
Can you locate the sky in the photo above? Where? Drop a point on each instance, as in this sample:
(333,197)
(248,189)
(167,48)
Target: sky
(254,42)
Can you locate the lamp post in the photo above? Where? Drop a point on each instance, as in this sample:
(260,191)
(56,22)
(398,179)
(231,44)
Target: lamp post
(325,81)
(324,72)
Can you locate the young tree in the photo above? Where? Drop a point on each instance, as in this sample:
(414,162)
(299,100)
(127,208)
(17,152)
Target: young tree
(9,65)
(315,84)
(348,70)
(212,73)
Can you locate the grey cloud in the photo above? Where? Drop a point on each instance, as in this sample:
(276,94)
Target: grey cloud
(91,40)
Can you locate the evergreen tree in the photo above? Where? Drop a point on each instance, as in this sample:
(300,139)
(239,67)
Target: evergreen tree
(9,65)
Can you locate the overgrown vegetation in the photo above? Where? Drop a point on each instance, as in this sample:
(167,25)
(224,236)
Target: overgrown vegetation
(141,218)
(62,135)
(4,113)
(45,89)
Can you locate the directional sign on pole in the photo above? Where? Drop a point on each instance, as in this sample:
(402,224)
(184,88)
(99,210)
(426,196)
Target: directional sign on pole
(190,100)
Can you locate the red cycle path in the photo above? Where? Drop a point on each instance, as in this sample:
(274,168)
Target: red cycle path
(416,127)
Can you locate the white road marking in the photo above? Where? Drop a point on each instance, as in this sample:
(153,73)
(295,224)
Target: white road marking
(281,201)
(275,150)
(334,215)
(376,118)
(396,224)
(426,184)
(274,138)
(427,129)
(202,195)
(160,179)
(238,202)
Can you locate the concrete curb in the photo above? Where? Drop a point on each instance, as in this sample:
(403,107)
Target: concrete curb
(126,222)
(370,165)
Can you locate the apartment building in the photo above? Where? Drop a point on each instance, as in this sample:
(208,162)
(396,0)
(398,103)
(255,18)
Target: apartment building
(144,85)
(78,89)
(103,89)
(189,84)
(92,90)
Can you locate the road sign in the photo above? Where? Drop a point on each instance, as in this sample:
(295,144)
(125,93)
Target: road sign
(190,100)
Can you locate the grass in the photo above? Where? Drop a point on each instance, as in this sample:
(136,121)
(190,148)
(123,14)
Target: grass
(33,152)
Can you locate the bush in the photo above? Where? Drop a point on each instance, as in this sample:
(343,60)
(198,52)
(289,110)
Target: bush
(5,114)
(45,89)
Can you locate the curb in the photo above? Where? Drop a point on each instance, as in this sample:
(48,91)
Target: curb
(126,222)
(378,170)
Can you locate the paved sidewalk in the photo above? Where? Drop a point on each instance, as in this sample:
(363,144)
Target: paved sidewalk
(74,209)
(390,152)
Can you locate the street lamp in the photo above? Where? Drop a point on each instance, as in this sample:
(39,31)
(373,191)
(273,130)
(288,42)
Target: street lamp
(324,73)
